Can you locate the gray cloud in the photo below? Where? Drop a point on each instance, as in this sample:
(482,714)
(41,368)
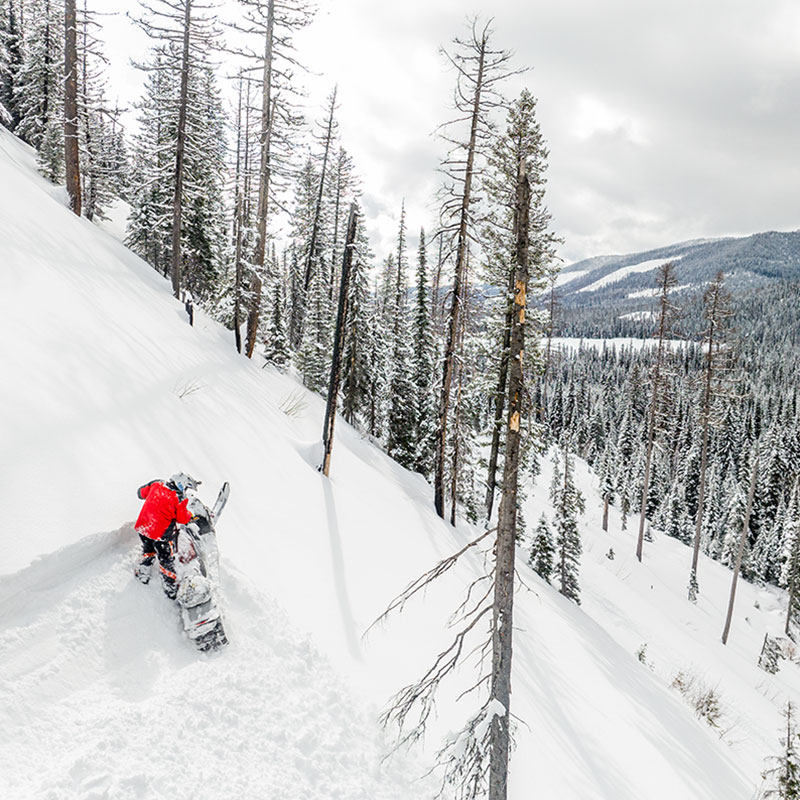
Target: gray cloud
(665,122)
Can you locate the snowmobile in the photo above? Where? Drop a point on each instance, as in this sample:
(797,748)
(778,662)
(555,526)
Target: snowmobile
(197,569)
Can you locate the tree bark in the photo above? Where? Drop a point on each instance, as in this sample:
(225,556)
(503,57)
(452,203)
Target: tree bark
(338,342)
(71,154)
(665,277)
(237,222)
(745,527)
(177,199)
(706,412)
(460,276)
(548,353)
(265,173)
(499,401)
(502,627)
(298,315)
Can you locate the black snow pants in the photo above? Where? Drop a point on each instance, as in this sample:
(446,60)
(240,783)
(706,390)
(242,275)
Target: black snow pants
(165,550)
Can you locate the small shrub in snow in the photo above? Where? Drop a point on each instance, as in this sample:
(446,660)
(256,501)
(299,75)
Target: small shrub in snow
(187,389)
(294,404)
(610,554)
(769,660)
(707,706)
(641,653)
(705,700)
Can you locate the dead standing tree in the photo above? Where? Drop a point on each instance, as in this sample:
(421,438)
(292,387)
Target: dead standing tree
(522,140)
(338,342)
(717,364)
(274,21)
(666,282)
(313,247)
(502,614)
(479,70)
(477,759)
(740,549)
(71,154)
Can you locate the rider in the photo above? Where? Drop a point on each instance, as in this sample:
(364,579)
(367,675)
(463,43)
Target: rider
(165,507)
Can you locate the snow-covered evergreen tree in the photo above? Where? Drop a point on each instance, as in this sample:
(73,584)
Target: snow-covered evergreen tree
(784,777)
(423,364)
(542,550)
(357,364)
(39,89)
(568,504)
(203,211)
(790,574)
(276,339)
(402,443)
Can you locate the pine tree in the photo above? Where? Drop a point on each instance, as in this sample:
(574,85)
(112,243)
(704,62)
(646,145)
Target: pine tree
(790,575)
(10,63)
(424,409)
(568,503)
(357,364)
(607,487)
(480,69)
(314,354)
(39,90)
(666,282)
(520,142)
(401,445)
(317,223)
(150,228)
(276,340)
(717,360)
(542,550)
(784,777)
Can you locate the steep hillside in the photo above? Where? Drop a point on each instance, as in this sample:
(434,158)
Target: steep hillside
(105,387)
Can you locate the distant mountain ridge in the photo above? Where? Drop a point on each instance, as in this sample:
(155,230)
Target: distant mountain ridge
(748,262)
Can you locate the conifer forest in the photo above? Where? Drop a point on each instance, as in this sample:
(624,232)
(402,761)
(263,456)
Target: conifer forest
(461,350)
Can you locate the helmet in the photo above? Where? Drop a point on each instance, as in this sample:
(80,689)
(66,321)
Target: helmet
(183,481)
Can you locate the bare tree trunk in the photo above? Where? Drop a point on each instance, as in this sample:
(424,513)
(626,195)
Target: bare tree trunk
(789,607)
(605,514)
(666,281)
(179,152)
(237,223)
(338,342)
(459,279)
(701,493)
(502,628)
(499,401)
(71,155)
(298,313)
(745,528)
(548,353)
(263,185)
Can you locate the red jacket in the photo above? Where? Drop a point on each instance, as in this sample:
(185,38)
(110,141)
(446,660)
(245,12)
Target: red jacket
(161,510)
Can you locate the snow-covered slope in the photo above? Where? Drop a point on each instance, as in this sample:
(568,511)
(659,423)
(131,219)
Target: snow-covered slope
(106,386)
(747,262)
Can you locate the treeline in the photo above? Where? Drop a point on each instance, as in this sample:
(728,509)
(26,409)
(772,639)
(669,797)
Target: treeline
(34,96)
(600,399)
(243,202)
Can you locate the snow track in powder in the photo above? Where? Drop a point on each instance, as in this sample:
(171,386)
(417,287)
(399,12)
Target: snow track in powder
(97,665)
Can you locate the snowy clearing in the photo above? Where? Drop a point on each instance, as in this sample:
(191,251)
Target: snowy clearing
(655,292)
(623,272)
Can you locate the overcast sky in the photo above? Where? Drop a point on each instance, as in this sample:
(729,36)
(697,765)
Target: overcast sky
(665,121)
